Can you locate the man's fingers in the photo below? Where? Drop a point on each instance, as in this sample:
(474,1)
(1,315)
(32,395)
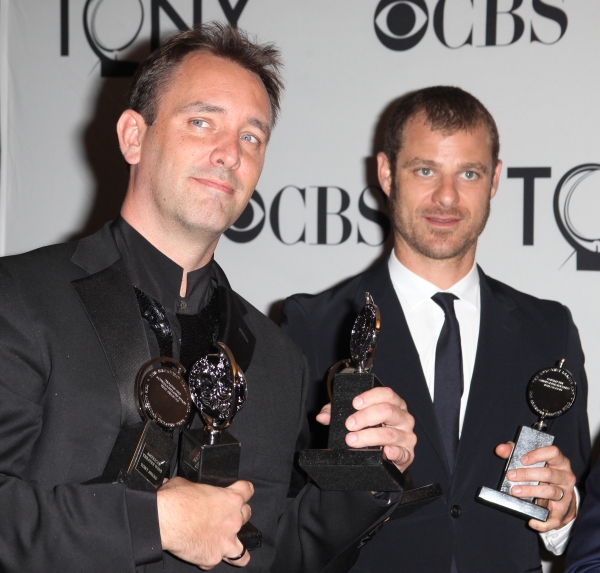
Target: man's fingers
(504,450)
(243,488)
(400,456)
(381,436)
(324,416)
(379,395)
(549,454)
(240,559)
(377,414)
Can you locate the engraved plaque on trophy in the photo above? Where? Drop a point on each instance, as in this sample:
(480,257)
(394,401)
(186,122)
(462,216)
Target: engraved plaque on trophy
(211,455)
(551,392)
(142,453)
(341,468)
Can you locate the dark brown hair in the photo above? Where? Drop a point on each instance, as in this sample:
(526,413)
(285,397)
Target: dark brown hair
(444,108)
(155,73)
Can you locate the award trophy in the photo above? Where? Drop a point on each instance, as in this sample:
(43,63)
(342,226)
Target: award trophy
(550,393)
(340,468)
(142,453)
(211,455)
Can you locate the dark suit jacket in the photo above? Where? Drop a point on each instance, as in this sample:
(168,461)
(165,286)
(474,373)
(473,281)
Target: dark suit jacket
(583,555)
(519,335)
(71,342)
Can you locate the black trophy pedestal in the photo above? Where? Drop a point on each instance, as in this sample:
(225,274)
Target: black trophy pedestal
(340,468)
(140,457)
(214,460)
(528,439)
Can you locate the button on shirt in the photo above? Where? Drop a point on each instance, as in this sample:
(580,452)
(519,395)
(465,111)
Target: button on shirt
(425,320)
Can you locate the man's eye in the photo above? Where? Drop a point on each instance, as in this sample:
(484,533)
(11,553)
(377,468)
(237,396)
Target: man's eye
(424,171)
(199,123)
(471,175)
(249,137)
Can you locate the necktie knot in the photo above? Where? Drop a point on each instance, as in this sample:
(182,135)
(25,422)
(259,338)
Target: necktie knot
(445,300)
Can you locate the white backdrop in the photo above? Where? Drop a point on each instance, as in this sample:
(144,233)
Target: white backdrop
(533,63)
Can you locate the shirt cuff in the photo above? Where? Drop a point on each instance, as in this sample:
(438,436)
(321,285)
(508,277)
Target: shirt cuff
(142,512)
(556,540)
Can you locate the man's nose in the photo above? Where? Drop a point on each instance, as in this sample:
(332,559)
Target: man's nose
(446,193)
(226,152)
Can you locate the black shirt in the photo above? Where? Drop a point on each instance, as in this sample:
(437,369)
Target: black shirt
(159,277)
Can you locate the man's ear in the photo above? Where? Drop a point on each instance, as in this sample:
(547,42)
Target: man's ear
(496,178)
(384,172)
(130,131)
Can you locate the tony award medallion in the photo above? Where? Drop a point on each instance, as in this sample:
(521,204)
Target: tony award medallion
(341,468)
(211,455)
(551,392)
(142,453)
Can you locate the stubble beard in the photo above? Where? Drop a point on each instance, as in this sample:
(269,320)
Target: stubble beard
(436,244)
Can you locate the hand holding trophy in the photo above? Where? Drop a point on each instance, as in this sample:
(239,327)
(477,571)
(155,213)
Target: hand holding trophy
(551,392)
(211,455)
(341,468)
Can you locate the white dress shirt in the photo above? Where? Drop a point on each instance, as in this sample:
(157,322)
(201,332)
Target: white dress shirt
(425,319)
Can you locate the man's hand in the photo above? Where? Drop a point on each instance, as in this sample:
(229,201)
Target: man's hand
(381,420)
(555,490)
(199,523)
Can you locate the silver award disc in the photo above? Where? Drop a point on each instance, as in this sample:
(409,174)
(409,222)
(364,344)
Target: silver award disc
(163,394)
(552,392)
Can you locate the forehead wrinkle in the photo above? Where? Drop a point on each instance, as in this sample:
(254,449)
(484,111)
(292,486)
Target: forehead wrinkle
(201,107)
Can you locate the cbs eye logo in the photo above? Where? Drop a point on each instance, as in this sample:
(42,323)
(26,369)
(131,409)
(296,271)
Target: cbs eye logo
(250,223)
(401,24)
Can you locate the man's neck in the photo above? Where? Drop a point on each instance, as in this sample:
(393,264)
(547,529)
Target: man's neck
(189,253)
(443,273)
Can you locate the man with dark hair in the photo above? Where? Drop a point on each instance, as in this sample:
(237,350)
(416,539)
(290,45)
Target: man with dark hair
(458,346)
(72,340)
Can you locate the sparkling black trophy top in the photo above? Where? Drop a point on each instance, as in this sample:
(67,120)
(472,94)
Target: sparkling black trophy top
(551,392)
(218,388)
(363,339)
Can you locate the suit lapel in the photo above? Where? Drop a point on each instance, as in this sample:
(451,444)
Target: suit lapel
(397,363)
(111,306)
(496,348)
(233,330)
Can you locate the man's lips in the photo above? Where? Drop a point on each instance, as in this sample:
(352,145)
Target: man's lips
(440,221)
(223,186)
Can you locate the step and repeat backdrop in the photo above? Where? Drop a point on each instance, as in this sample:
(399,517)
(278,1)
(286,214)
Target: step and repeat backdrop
(317,215)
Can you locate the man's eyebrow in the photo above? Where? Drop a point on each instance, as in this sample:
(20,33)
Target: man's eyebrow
(264,127)
(475,166)
(418,161)
(203,107)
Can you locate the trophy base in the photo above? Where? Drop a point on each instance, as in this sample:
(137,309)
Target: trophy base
(214,460)
(351,470)
(140,457)
(414,499)
(214,463)
(250,536)
(513,505)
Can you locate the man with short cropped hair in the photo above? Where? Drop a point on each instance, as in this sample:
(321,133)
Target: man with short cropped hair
(458,346)
(79,321)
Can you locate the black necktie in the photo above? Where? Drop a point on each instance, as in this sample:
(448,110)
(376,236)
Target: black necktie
(448,377)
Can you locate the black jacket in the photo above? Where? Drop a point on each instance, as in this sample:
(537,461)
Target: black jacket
(71,343)
(519,335)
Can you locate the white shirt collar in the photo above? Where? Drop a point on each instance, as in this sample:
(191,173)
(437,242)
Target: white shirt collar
(415,290)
